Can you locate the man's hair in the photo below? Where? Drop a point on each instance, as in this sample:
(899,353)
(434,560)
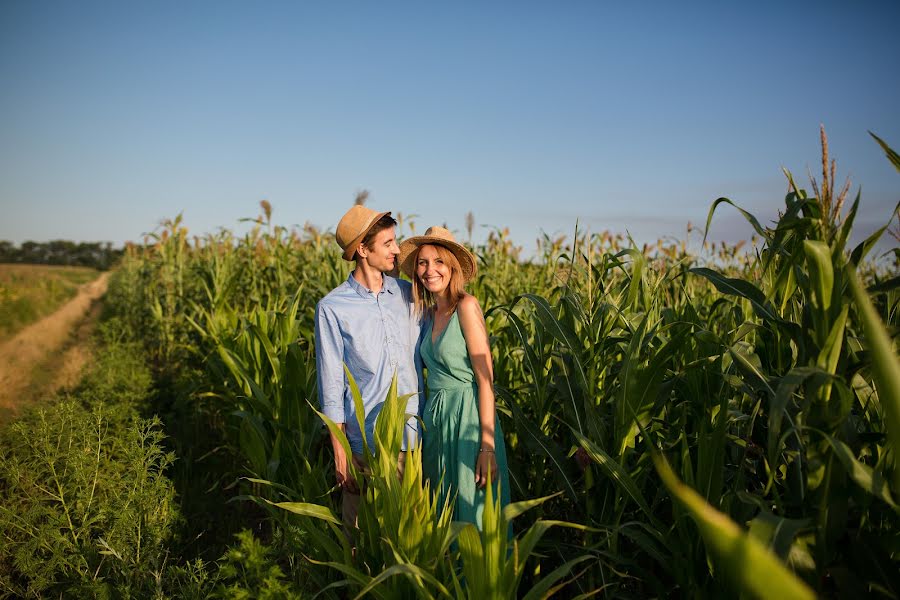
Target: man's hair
(380,225)
(422,298)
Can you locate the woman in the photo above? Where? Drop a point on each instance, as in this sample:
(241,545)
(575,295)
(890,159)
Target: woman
(463,443)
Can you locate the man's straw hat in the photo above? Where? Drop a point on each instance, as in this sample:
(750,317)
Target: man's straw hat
(354,226)
(440,237)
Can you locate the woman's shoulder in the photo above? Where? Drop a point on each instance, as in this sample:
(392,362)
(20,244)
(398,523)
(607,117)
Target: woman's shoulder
(468,302)
(469,308)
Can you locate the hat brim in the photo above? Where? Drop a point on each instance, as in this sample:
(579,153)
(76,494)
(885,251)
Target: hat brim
(467,261)
(351,248)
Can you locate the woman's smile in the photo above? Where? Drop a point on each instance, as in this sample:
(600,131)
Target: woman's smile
(432,271)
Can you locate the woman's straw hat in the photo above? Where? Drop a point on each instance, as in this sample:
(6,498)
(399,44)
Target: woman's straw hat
(354,226)
(440,237)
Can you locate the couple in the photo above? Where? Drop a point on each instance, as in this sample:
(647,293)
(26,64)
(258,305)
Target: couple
(379,326)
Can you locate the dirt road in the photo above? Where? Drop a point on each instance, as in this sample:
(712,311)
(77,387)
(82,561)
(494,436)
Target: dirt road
(49,354)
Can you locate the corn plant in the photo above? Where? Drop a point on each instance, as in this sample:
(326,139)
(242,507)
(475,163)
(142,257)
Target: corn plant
(403,532)
(493,562)
(265,368)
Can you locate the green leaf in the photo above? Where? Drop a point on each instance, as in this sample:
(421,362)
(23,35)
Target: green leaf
(885,286)
(565,336)
(542,588)
(750,566)
(254,441)
(411,571)
(831,350)
(749,365)
(741,288)
(359,410)
(784,391)
(615,472)
(892,156)
(750,218)
(861,250)
(862,474)
(341,437)
(885,366)
(630,402)
(473,555)
(776,532)
(540,442)
(514,509)
(818,259)
(308,509)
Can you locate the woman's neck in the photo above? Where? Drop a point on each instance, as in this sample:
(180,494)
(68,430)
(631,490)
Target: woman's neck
(442,302)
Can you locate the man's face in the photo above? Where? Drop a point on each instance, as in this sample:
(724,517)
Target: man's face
(383,251)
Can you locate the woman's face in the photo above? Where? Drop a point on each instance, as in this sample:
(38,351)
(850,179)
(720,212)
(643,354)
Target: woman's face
(432,271)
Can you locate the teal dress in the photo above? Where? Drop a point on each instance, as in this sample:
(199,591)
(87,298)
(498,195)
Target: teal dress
(452,433)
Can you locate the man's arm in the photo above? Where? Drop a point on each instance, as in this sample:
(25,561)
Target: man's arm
(330,380)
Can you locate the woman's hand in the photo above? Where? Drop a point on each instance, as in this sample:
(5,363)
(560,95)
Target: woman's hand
(486,463)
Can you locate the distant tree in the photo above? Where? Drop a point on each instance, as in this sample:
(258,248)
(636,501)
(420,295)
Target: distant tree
(7,251)
(99,255)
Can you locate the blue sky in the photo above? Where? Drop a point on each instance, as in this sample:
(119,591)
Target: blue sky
(532,115)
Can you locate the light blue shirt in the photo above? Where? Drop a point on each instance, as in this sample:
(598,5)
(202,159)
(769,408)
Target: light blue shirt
(375,335)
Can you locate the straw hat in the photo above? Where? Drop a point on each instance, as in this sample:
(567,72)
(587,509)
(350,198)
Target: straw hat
(354,226)
(440,237)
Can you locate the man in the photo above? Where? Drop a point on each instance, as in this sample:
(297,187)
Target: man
(368,323)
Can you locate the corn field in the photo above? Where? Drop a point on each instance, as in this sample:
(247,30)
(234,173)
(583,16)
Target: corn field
(678,425)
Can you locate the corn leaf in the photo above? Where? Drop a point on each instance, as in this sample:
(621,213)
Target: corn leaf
(885,366)
(308,509)
(892,156)
(750,218)
(869,480)
(543,587)
(776,532)
(615,472)
(750,566)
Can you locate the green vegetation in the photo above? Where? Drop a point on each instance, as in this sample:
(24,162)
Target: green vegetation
(677,425)
(96,255)
(29,292)
(85,507)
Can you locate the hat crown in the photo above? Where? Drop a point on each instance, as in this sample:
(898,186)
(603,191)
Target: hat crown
(439,232)
(353,224)
(440,236)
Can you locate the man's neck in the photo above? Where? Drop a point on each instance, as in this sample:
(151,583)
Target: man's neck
(372,279)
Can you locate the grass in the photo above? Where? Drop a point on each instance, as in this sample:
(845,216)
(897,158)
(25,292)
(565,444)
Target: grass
(30,292)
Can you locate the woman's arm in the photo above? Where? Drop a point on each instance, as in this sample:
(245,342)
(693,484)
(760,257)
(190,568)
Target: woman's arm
(471,320)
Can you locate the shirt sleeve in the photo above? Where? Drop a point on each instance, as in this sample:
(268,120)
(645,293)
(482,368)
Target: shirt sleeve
(329,364)
(419,364)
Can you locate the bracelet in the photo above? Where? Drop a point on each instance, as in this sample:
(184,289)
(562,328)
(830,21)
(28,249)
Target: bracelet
(483,450)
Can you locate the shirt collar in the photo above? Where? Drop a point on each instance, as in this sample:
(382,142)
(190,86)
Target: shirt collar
(388,284)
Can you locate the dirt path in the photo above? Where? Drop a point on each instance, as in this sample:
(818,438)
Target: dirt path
(49,355)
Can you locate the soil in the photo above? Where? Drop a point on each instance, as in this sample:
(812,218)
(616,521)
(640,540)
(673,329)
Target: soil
(48,356)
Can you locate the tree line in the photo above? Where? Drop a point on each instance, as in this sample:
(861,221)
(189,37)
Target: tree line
(99,255)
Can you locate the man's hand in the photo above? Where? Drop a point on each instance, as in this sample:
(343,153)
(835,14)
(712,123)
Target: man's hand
(342,467)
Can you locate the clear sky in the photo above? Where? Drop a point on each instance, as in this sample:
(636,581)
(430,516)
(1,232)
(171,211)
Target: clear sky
(625,116)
